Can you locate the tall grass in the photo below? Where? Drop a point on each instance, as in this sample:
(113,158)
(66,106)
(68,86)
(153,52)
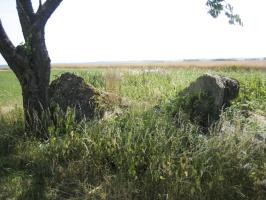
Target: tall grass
(134,156)
(142,153)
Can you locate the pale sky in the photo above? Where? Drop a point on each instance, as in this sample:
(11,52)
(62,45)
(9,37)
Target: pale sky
(127,30)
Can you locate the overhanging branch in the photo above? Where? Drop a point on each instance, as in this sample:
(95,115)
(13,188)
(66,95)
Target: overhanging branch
(216,7)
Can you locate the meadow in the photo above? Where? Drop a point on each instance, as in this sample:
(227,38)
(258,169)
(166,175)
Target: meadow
(141,153)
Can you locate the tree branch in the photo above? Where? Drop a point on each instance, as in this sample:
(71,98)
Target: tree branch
(216,7)
(40,4)
(26,16)
(9,52)
(44,13)
(27,6)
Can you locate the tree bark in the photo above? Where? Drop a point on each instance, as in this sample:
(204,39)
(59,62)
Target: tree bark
(35,86)
(35,104)
(31,63)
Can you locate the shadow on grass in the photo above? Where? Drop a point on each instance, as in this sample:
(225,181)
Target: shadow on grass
(17,180)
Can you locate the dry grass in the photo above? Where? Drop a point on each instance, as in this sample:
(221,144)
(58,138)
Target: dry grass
(256,64)
(6,109)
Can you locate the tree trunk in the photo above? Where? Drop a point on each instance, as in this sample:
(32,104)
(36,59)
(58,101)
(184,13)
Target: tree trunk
(35,103)
(31,63)
(35,84)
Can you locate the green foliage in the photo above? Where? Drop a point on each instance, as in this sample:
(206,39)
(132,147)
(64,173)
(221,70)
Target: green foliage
(216,7)
(26,48)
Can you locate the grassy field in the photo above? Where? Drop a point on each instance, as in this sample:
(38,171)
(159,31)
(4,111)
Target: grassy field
(142,153)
